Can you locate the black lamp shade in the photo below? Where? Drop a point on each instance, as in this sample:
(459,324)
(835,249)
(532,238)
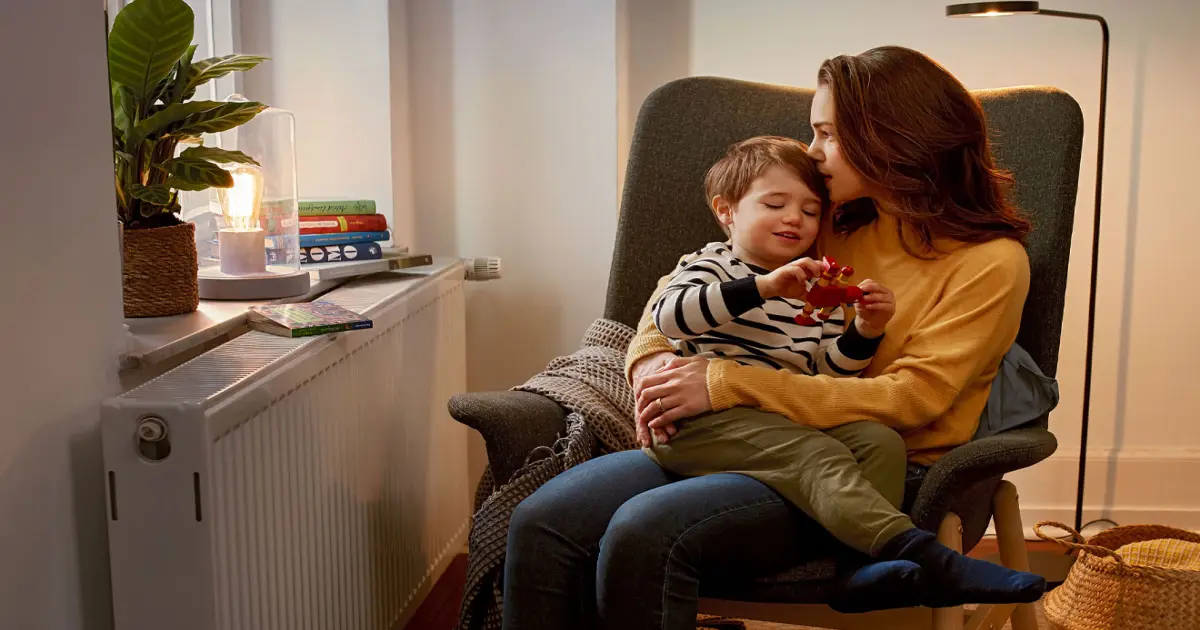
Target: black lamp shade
(984,9)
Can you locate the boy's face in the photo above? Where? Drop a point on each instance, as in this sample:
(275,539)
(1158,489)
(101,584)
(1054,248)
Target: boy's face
(775,222)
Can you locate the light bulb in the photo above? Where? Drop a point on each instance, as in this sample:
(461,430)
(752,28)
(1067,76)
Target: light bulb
(240,203)
(241,244)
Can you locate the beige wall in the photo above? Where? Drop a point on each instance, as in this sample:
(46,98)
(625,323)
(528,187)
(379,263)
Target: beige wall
(1145,430)
(330,66)
(61,316)
(512,111)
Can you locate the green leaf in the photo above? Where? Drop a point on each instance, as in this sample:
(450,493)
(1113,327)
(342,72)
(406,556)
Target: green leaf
(180,80)
(216,120)
(148,210)
(158,123)
(147,38)
(190,171)
(183,184)
(125,156)
(122,105)
(206,70)
(218,155)
(158,194)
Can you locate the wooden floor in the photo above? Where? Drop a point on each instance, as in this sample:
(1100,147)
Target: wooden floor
(440,609)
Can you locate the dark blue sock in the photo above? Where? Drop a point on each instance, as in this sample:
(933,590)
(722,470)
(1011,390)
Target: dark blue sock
(952,579)
(878,586)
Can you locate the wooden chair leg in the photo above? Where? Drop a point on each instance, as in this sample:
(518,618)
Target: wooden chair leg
(949,534)
(1010,536)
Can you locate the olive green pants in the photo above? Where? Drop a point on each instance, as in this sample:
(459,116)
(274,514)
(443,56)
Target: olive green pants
(849,479)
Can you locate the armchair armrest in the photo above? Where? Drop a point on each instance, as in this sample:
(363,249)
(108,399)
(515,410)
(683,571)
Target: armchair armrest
(980,463)
(512,425)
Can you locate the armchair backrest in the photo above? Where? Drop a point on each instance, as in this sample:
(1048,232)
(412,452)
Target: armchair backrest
(686,125)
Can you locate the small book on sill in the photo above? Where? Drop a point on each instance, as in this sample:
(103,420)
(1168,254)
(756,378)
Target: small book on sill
(305,319)
(392,260)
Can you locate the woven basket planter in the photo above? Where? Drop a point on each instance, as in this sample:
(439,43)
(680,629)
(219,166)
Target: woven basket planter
(1103,591)
(158,271)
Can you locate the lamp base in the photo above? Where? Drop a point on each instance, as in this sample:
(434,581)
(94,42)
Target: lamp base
(279,282)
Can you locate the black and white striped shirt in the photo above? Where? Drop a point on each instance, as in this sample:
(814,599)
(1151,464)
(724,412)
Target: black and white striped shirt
(711,307)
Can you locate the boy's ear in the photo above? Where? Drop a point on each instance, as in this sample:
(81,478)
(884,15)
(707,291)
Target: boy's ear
(723,210)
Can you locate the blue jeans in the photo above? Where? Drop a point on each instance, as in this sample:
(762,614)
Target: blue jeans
(619,542)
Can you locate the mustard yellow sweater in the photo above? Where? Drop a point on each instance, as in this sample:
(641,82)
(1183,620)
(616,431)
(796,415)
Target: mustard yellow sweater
(955,318)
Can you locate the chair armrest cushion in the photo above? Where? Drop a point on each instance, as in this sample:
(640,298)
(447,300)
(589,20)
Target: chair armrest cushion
(512,425)
(975,463)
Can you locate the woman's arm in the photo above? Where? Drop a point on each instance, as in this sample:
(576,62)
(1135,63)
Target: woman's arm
(965,333)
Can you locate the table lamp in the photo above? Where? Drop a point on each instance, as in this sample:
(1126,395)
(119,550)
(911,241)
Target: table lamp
(251,248)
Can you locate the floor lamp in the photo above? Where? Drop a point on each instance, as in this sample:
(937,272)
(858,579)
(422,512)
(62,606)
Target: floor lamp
(992,9)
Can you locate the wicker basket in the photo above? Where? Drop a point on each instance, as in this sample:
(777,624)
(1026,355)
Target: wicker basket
(158,271)
(1104,591)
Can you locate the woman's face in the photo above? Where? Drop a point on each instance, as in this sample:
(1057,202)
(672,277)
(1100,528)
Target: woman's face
(844,181)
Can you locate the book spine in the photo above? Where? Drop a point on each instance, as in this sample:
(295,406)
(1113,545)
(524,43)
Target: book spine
(413,260)
(343,223)
(325,208)
(340,253)
(344,238)
(329,328)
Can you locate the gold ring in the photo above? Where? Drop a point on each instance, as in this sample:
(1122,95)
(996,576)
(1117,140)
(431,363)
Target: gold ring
(660,405)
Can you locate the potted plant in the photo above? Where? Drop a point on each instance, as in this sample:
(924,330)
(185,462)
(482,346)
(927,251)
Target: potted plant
(153,77)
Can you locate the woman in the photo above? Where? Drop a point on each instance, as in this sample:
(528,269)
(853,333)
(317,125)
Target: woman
(903,147)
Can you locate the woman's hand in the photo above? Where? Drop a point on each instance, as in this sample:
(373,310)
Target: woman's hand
(676,391)
(644,367)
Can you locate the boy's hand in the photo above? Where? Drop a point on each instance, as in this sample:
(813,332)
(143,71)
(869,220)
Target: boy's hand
(875,309)
(790,280)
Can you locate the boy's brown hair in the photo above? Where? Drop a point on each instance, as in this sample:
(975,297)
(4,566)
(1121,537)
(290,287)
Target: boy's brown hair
(746,161)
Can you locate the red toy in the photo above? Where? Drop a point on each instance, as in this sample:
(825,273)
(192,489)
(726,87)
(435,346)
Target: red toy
(828,292)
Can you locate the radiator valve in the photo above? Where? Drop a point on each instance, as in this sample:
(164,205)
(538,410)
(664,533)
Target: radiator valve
(151,429)
(482,268)
(152,443)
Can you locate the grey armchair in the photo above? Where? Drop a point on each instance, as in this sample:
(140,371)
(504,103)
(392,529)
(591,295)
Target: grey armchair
(682,128)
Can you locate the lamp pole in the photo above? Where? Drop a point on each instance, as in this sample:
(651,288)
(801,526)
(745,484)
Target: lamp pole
(991,9)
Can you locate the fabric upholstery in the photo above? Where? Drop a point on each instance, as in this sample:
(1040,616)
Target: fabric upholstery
(512,425)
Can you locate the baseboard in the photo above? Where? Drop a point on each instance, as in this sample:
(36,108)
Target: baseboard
(1129,487)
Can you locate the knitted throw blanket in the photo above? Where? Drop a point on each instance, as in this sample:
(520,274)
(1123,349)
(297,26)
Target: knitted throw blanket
(590,384)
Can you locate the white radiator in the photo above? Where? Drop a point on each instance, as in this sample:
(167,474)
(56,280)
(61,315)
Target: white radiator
(302,483)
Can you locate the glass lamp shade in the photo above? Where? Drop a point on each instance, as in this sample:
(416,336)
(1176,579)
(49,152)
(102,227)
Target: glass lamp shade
(248,236)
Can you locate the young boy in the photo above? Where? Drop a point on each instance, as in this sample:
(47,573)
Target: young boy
(739,300)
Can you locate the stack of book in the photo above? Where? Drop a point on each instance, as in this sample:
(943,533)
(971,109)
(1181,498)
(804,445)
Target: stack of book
(335,230)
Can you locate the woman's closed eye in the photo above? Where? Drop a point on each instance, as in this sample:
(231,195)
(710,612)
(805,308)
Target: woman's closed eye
(774,206)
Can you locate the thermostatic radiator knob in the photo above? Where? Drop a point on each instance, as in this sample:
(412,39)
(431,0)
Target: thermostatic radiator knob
(484,268)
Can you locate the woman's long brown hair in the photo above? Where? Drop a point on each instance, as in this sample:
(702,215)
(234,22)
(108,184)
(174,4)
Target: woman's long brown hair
(912,129)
